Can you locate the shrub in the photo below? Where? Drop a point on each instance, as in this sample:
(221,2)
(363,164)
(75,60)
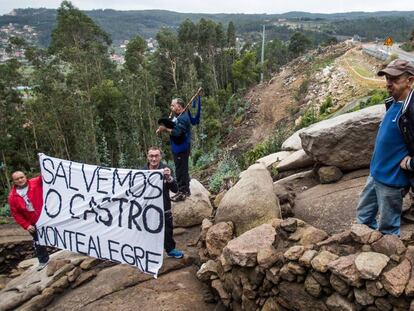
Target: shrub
(254,154)
(302,90)
(201,160)
(326,105)
(408,47)
(392,57)
(377,97)
(5,211)
(309,117)
(228,167)
(269,146)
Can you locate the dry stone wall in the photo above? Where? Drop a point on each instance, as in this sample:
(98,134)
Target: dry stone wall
(12,253)
(290,265)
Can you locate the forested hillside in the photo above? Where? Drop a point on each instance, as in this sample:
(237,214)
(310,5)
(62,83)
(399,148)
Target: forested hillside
(79,105)
(123,25)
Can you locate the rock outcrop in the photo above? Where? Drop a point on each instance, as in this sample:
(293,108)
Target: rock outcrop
(194,209)
(346,141)
(273,158)
(331,207)
(250,202)
(298,159)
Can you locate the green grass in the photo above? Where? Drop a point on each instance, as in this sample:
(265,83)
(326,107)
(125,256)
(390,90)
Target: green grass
(408,47)
(5,211)
(309,117)
(363,71)
(4,221)
(377,97)
(323,63)
(269,146)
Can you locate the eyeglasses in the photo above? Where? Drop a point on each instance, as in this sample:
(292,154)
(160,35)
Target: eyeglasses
(154,156)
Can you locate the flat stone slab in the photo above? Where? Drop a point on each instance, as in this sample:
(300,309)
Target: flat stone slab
(371,264)
(243,250)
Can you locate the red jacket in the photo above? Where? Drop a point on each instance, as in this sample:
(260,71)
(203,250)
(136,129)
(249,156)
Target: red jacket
(17,205)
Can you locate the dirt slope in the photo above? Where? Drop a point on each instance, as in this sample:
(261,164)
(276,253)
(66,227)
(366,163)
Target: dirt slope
(342,72)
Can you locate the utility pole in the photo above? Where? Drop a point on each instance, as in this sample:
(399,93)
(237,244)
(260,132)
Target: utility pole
(263,45)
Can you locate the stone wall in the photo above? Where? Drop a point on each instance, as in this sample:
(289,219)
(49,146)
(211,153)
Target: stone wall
(290,265)
(12,253)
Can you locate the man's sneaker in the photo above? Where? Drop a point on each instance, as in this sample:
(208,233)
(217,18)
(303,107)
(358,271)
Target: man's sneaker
(175,195)
(175,253)
(41,266)
(179,197)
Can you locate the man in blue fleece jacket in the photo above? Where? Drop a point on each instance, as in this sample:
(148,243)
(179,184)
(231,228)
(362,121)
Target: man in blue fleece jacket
(391,162)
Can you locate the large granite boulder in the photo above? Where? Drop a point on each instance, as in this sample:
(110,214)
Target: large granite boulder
(297,182)
(331,207)
(346,141)
(298,159)
(251,201)
(194,209)
(294,143)
(274,157)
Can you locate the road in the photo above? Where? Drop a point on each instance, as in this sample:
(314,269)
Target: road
(383,51)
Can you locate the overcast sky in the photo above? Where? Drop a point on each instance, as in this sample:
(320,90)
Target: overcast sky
(223,6)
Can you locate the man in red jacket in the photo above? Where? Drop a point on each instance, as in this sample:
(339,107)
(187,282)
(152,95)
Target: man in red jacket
(26,202)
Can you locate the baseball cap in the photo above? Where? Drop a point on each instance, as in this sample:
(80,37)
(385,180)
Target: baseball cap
(397,67)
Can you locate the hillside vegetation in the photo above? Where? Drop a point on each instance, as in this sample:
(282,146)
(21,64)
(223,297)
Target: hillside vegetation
(311,88)
(79,105)
(124,25)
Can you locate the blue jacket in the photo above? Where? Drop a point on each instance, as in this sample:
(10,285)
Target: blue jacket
(180,137)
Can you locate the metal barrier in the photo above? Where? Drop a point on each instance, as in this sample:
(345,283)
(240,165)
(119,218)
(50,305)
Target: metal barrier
(376,53)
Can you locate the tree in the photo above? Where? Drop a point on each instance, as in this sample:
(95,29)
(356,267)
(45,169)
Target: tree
(107,98)
(75,32)
(207,42)
(231,35)
(67,83)
(298,44)
(246,70)
(169,49)
(81,43)
(13,139)
(187,33)
(276,55)
(135,54)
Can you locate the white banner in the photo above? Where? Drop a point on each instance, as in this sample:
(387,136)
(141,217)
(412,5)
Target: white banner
(108,213)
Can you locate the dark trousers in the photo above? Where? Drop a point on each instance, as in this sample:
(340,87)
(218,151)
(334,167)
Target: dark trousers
(40,250)
(169,243)
(181,171)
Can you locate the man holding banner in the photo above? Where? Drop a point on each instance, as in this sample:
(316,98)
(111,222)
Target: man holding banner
(26,201)
(154,163)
